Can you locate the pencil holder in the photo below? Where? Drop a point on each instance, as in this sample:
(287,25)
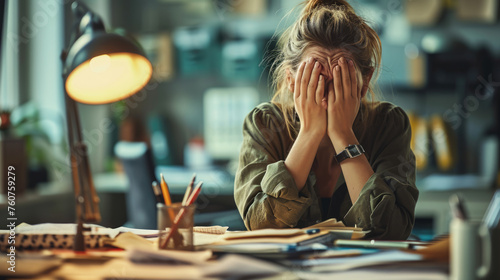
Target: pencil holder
(175,225)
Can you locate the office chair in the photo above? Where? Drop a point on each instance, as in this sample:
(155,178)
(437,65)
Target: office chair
(138,165)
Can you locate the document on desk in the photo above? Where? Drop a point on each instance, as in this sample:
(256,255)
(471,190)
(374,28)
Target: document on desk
(347,263)
(239,267)
(339,229)
(381,273)
(113,232)
(139,255)
(129,240)
(283,241)
(296,237)
(266,233)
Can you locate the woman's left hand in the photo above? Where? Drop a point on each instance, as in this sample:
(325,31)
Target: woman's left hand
(343,99)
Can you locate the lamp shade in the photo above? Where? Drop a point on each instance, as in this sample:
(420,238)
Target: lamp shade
(104,67)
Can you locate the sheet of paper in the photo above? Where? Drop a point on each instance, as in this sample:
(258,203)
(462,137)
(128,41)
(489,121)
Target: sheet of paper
(122,268)
(251,248)
(328,223)
(264,233)
(338,226)
(130,240)
(337,254)
(147,233)
(238,266)
(140,232)
(169,256)
(210,229)
(200,239)
(373,259)
(413,273)
(302,239)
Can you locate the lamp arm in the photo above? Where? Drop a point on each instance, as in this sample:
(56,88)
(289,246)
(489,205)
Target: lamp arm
(86,199)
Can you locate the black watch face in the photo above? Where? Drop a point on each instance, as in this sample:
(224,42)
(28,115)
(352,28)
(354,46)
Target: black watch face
(353,150)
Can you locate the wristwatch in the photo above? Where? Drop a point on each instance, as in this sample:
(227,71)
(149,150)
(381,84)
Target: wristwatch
(350,151)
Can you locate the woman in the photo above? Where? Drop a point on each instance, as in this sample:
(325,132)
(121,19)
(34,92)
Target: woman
(294,168)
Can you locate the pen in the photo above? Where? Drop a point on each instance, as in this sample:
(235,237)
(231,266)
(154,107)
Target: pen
(188,190)
(157,192)
(457,207)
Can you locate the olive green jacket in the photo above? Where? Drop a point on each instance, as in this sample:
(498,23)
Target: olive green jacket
(267,197)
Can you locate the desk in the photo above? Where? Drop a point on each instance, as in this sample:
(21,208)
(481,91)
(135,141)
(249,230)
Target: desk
(119,267)
(123,269)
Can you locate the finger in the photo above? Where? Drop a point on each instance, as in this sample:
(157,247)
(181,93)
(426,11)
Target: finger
(354,79)
(346,79)
(306,76)
(314,82)
(298,77)
(324,103)
(331,95)
(337,83)
(320,89)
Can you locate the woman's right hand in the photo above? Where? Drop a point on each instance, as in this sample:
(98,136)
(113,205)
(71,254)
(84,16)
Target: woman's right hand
(308,95)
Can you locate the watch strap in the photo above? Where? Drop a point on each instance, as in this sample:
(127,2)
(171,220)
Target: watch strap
(350,151)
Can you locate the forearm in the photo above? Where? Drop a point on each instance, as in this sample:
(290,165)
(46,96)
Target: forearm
(356,170)
(266,196)
(301,157)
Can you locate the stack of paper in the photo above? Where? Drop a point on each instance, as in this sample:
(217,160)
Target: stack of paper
(288,241)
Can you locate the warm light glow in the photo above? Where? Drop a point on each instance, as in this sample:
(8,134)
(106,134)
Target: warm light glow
(108,78)
(100,63)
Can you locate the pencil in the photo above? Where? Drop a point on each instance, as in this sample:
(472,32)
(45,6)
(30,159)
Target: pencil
(166,197)
(188,190)
(166,193)
(194,194)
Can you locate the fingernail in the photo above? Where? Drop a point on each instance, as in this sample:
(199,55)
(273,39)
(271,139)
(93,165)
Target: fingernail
(351,62)
(316,65)
(310,59)
(321,77)
(341,60)
(337,68)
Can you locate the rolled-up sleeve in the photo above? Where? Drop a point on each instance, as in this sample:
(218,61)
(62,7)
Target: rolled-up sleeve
(386,205)
(265,192)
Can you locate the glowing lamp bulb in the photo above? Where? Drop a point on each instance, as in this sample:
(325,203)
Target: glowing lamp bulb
(100,63)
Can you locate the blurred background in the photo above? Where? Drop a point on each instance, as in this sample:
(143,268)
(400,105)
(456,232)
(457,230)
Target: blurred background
(441,63)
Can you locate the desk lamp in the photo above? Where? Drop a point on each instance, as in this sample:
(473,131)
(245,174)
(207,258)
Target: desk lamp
(99,68)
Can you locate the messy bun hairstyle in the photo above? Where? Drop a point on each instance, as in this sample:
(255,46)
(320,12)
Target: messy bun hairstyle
(329,24)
